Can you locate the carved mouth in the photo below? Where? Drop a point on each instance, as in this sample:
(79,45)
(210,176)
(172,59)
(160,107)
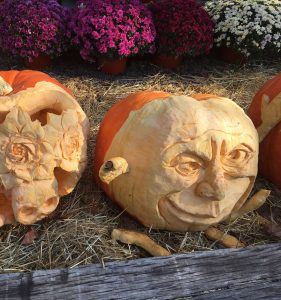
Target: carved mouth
(166,206)
(200,211)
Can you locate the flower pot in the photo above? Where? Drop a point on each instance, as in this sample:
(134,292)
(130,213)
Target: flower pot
(167,61)
(67,3)
(113,67)
(230,55)
(39,63)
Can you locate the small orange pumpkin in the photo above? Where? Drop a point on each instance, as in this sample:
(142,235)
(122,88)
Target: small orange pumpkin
(177,162)
(265,112)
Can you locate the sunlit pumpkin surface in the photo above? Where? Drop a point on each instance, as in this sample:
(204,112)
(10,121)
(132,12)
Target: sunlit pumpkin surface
(191,163)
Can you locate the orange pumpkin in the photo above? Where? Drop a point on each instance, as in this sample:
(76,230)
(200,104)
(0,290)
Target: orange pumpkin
(176,162)
(43,145)
(265,112)
(21,80)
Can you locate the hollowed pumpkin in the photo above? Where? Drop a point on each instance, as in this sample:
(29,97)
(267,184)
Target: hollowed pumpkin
(43,134)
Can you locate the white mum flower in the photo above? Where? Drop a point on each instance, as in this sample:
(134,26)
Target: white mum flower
(251,24)
(267,38)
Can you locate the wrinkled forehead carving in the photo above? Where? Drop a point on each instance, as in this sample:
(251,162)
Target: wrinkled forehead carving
(187,118)
(218,114)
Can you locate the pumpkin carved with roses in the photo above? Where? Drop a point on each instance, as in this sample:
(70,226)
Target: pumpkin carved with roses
(176,162)
(43,133)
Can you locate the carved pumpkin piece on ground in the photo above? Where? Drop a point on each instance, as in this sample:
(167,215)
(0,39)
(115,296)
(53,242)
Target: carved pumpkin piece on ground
(177,162)
(43,134)
(265,112)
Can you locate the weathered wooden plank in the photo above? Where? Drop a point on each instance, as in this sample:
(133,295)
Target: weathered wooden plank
(250,273)
(257,290)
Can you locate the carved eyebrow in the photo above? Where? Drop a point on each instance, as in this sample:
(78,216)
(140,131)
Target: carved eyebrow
(241,146)
(182,147)
(203,149)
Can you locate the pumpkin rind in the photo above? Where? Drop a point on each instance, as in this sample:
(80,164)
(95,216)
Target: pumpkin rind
(21,80)
(270,142)
(113,121)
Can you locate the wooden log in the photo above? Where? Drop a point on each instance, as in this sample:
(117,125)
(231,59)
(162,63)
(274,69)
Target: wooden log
(248,273)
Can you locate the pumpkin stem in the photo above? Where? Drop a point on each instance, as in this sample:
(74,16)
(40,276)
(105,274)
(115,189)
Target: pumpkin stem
(257,200)
(113,168)
(139,239)
(225,239)
(5,88)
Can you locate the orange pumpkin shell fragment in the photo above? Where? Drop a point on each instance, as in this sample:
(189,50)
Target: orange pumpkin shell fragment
(265,112)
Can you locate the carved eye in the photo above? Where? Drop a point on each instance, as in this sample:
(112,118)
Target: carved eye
(187,165)
(239,155)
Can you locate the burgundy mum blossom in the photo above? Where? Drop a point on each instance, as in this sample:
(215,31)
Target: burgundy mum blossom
(183,27)
(29,28)
(111,28)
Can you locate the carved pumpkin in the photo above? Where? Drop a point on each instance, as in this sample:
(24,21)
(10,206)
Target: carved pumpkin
(177,162)
(265,112)
(42,145)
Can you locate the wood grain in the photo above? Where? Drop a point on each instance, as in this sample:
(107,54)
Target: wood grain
(249,273)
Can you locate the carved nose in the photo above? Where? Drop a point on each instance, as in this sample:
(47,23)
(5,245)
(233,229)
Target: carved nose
(213,185)
(206,190)
(32,202)
(26,215)
(29,215)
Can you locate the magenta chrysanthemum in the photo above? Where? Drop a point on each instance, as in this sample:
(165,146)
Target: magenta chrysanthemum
(112,28)
(29,28)
(183,27)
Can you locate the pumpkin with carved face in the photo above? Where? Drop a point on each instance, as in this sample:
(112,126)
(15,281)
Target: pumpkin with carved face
(176,162)
(43,134)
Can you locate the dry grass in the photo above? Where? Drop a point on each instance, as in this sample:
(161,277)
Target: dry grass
(79,232)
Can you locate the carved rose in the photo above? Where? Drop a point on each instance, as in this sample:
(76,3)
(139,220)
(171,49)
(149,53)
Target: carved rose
(70,144)
(25,154)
